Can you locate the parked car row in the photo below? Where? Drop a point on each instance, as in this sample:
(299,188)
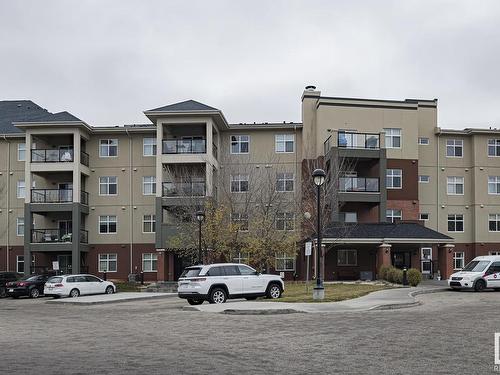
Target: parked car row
(15,285)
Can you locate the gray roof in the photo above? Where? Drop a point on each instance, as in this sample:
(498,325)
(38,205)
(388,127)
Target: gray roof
(187,106)
(27,111)
(411,230)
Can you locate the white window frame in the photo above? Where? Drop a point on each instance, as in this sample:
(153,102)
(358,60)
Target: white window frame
(495,218)
(391,174)
(239,179)
(455,144)
(106,144)
(149,220)
(105,181)
(424,179)
(149,185)
(107,258)
(21,147)
(238,141)
(390,135)
(452,182)
(238,218)
(21,189)
(282,182)
(107,221)
(423,213)
(423,141)
(149,146)
(456,220)
(20,224)
(346,257)
(280,142)
(494,183)
(285,262)
(288,219)
(240,258)
(460,258)
(496,144)
(391,214)
(18,262)
(149,258)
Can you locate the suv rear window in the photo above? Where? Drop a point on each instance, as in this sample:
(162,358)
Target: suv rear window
(215,271)
(191,272)
(55,280)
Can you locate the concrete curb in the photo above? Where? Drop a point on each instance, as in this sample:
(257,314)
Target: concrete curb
(413,294)
(103,302)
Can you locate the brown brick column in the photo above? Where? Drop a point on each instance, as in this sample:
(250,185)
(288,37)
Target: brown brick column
(162,273)
(383,255)
(445,260)
(170,264)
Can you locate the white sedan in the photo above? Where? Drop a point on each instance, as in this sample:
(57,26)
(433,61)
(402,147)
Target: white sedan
(77,285)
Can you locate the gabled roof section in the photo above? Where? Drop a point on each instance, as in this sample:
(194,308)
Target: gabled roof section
(187,106)
(25,111)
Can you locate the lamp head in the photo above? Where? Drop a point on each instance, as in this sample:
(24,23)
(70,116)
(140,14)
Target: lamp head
(319,176)
(200,216)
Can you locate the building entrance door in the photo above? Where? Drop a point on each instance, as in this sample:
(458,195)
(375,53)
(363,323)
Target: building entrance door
(401,259)
(64,264)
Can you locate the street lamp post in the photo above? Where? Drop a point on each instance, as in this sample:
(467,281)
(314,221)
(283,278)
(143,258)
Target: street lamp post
(319,176)
(200,216)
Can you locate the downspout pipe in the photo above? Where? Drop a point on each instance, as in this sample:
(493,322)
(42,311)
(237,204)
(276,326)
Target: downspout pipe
(7,248)
(131,235)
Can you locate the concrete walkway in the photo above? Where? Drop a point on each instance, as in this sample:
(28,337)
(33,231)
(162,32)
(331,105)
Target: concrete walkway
(111,298)
(383,299)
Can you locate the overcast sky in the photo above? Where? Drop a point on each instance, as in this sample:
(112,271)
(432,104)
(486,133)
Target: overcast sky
(107,61)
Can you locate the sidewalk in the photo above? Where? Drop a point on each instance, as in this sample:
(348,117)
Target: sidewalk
(381,300)
(111,298)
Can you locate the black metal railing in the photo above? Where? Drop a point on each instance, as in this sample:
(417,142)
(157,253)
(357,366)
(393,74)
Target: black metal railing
(359,184)
(56,236)
(358,140)
(51,195)
(51,156)
(184,189)
(184,146)
(84,158)
(84,198)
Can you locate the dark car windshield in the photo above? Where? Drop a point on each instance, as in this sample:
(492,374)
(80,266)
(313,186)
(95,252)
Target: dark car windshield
(30,278)
(55,280)
(476,266)
(191,272)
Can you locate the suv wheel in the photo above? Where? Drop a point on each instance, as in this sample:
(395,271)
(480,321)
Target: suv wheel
(194,301)
(218,295)
(273,291)
(480,285)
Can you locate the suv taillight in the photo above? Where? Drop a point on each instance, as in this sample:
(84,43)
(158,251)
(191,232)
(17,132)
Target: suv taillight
(59,285)
(197,280)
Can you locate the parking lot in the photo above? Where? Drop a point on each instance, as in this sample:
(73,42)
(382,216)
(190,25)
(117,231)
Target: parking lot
(452,332)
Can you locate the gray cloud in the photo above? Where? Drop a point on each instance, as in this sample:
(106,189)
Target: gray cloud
(107,61)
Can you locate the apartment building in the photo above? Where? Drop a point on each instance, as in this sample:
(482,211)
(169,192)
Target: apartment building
(401,190)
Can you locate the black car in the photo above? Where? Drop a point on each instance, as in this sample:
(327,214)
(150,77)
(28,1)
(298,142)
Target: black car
(6,277)
(31,286)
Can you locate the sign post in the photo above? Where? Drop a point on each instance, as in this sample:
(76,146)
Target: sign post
(308,251)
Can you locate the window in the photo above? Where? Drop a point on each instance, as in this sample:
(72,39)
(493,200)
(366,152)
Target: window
(494,222)
(107,224)
(20,263)
(455,223)
(20,226)
(21,151)
(423,141)
(239,183)
(458,260)
(21,189)
(241,258)
(108,185)
(423,179)
(394,179)
(493,147)
(149,262)
(350,217)
(149,185)
(215,271)
(108,263)
(392,138)
(285,221)
(149,147)
(347,257)
(284,182)
(285,142)
(455,185)
(241,220)
(108,148)
(285,262)
(231,270)
(245,270)
(148,223)
(424,216)
(454,148)
(393,215)
(494,185)
(239,144)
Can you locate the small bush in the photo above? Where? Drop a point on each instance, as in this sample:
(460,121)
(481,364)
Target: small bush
(382,272)
(414,277)
(398,276)
(391,274)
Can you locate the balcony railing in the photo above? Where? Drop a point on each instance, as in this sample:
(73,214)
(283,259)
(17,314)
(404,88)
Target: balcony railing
(184,189)
(359,184)
(51,195)
(84,198)
(56,236)
(58,156)
(84,158)
(359,140)
(184,146)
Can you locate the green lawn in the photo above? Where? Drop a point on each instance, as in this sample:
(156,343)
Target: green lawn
(127,287)
(296,292)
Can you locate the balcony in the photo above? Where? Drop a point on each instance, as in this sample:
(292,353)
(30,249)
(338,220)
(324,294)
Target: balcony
(184,189)
(84,158)
(57,196)
(57,156)
(359,140)
(359,184)
(56,236)
(184,146)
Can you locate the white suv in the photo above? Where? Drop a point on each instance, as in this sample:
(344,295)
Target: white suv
(216,283)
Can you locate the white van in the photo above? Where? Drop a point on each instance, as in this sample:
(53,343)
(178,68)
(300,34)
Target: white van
(482,272)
